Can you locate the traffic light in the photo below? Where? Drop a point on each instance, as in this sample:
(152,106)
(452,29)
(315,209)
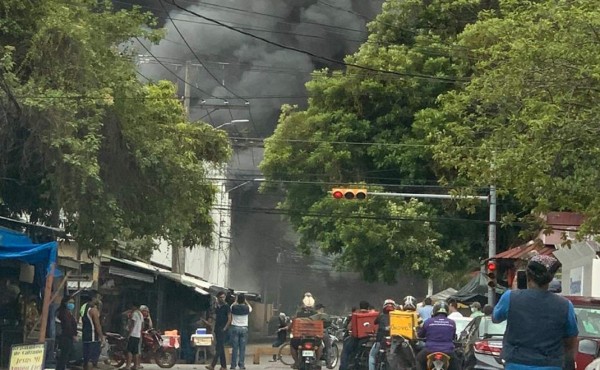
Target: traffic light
(345,193)
(491,273)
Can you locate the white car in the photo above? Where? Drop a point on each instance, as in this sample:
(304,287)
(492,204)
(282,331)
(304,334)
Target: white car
(594,365)
(461,324)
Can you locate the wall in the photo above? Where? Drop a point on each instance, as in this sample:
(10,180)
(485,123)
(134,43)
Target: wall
(580,265)
(208,262)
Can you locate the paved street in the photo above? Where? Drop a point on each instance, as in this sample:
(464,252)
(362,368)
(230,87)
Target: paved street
(264,364)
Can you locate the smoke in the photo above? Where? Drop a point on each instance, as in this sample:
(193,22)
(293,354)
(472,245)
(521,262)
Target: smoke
(265,74)
(268,76)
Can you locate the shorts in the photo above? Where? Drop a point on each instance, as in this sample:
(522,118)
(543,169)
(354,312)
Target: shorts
(133,345)
(91,352)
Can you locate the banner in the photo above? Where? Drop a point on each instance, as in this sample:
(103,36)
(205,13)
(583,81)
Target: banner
(27,357)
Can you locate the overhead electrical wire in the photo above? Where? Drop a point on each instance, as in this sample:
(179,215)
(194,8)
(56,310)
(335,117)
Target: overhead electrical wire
(175,74)
(327,59)
(205,67)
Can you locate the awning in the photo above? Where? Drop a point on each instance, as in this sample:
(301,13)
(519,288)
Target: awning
(525,251)
(200,286)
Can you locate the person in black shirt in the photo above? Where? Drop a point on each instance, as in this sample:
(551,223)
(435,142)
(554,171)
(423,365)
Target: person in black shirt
(222,322)
(68,333)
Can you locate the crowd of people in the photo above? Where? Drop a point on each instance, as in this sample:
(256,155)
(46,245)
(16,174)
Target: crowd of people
(527,344)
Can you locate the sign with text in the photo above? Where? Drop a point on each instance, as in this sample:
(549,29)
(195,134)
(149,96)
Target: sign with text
(27,357)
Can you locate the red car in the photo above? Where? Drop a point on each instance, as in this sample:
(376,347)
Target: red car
(587,310)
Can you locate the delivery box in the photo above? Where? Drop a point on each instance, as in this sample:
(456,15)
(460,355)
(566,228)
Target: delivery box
(363,323)
(403,323)
(305,327)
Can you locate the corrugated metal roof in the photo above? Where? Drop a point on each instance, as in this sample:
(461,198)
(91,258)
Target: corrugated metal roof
(524,251)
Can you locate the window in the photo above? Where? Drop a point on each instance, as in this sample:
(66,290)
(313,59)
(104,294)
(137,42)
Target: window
(488,329)
(588,321)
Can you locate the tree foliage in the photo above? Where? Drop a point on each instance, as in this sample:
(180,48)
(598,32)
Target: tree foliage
(83,143)
(528,119)
(359,129)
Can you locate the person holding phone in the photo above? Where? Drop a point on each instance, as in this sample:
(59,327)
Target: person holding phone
(541,329)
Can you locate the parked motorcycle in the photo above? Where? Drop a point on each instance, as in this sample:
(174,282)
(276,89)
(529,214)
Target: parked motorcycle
(331,354)
(152,349)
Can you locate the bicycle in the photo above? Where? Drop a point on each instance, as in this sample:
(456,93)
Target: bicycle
(284,355)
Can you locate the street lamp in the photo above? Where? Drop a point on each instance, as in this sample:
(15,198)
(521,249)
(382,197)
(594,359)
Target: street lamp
(233,122)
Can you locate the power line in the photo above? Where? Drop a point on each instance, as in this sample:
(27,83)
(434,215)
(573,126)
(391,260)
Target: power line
(194,53)
(175,74)
(335,61)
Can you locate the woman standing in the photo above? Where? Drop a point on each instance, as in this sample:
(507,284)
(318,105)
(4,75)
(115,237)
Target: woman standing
(68,334)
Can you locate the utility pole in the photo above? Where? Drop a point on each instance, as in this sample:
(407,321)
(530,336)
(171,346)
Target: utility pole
(177,251)
(492,239)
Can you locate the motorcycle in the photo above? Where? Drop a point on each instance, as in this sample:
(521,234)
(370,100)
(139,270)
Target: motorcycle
(438,361)
(307,353)
(360,360)
(331,353)
(401,353)
(152,349)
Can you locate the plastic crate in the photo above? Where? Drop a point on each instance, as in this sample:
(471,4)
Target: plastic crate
(307,328)
(403,323)
(363,323)
(201,340)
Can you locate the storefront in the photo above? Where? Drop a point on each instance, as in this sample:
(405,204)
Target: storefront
(24,266)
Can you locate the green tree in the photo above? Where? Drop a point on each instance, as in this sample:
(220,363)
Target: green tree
(358,128)
(84,143)
(528,119)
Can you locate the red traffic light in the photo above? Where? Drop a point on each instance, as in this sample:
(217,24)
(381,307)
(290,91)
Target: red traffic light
(491,266)
(339,193)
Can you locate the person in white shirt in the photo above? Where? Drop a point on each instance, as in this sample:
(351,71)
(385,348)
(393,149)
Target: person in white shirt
(240,311)
(454,309)
(136,322)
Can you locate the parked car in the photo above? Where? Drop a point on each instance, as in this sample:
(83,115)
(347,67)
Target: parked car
(587,310)
(594,365)
(461,324)
(481,343)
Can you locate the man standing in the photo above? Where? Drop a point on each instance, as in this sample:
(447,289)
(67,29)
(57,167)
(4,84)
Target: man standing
(425,310)
(541,327)
(240,311)
(92,334)
(476,310)
(454,313)
(222,322)
(136,321)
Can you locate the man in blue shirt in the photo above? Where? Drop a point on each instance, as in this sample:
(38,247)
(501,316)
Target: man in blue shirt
(439,332)
(425,310)
(541,326)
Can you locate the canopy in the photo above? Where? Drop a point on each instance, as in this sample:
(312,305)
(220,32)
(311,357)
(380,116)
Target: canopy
(16,245)
(475,290)
(443,295)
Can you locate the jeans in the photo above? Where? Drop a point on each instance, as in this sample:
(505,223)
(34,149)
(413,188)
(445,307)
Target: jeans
(373,355)
(348,349)
(219,348)
(239,338)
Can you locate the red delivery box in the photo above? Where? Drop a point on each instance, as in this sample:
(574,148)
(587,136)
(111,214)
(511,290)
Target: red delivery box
(363,323)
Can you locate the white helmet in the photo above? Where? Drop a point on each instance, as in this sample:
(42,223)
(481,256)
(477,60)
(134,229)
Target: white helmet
(409,303)
(308,300)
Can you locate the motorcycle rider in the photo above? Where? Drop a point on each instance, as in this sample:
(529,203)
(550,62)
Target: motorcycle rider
(306,311)
(327,321)
(147,318)
(383,329)
(350,342)
(439,332)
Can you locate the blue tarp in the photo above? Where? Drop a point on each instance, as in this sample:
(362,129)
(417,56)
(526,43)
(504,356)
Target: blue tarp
(16,245)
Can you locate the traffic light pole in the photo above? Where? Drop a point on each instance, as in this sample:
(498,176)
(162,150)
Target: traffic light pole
(492,201)
(492,239)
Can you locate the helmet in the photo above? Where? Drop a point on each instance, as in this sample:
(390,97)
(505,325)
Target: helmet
(409,303)
(308,300)
(440,307)
(389,305)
